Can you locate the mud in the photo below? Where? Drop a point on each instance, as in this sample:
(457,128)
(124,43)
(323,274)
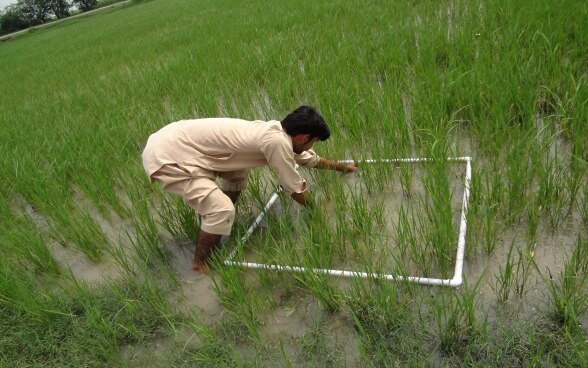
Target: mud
(196,289)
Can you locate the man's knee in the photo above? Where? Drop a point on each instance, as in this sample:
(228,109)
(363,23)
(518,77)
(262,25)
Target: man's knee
(219,223)
(217,212)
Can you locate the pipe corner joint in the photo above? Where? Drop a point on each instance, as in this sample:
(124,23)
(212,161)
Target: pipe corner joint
(456,281)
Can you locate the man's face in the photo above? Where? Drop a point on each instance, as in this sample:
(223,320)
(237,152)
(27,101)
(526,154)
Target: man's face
(302,142)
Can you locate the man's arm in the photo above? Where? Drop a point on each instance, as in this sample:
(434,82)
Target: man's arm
(303,197)
(337,166)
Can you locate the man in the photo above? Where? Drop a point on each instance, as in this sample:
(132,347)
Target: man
(187,156)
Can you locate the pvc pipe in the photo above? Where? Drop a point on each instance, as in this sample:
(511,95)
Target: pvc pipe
(457,276)
(391,160)
(342,273)
(457,279)
(256,222)
(261,215)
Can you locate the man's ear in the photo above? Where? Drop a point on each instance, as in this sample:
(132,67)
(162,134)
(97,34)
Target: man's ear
(301,138)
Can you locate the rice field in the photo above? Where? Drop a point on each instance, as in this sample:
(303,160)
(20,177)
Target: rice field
(96,262)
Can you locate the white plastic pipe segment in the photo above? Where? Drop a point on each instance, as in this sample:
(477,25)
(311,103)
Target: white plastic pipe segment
(457,279)
(257,221)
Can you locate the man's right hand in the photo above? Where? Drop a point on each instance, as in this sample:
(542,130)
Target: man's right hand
(302,198)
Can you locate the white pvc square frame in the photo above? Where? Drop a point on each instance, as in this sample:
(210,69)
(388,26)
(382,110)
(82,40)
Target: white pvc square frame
(457,275)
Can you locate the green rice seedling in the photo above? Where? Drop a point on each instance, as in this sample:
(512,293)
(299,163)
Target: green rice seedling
(371,239)
(519,175)
(476,217)
(575,174)
(553,193)
(579,259)
(321,287)
(282,244)
(381,313)
(124,258)
(495,187)
(524,265)
(504,280)
(181,221)
(407,237)
(286,360)
(372,179)
(267,280)
(533,218)
(84,233)
(490,230)
(95,180)
(212,352)
(313,341)
(359,210)
(30,246)
(66,321)
(439,232)
(342,231)
(568,299)
(456,321)
(379,180)
(404,234)
(18,287)
(257,190)
(422,253)
(144,235)
(378,305)
(406,179)
(237,298)
(84,128)
(583,207)
(567,295)
(317,250)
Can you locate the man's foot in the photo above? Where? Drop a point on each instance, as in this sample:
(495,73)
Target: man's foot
(206,244)
(201,268)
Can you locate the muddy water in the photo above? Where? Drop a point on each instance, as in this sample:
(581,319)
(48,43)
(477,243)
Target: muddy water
(196,289)
(386,201)
(552,250)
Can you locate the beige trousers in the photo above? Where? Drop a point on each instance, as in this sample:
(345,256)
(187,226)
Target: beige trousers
(200,191)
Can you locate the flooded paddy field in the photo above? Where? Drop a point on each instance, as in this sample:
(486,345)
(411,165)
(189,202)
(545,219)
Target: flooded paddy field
(96,261)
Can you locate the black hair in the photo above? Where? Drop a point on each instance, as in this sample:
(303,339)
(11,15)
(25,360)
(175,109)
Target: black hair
(306,120)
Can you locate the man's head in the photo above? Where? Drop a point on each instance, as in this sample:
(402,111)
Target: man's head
(306,126)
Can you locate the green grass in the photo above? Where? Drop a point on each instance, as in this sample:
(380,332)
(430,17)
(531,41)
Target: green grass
(503,82)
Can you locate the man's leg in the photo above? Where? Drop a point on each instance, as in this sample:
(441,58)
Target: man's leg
(200,191)
(217,214)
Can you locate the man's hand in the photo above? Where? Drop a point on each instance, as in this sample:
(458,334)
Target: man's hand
(353,167)
(302,198)
(343,168)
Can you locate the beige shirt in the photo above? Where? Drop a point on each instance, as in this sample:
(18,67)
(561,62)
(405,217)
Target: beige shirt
(223,144)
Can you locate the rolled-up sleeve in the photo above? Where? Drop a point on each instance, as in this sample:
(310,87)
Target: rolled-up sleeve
(307,159)
(279,155)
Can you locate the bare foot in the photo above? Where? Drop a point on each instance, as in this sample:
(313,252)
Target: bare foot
(201,268)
